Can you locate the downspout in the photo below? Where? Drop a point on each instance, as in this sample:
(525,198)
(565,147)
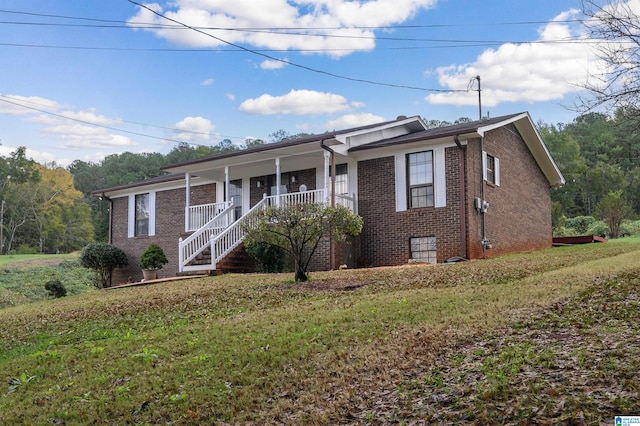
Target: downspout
(110,232)
(104,197)
(332,246)
(485,242)
(463,196)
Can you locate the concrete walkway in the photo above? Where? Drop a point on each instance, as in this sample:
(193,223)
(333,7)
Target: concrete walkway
(156,281)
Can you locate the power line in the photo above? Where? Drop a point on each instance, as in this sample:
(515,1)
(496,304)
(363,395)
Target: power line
(6,99)
(381,27)
(294,64)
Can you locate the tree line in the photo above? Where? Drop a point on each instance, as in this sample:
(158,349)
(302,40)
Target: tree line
(599,156)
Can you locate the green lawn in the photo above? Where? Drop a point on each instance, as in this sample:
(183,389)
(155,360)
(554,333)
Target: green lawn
(23,277)
(518,339)
(9,260)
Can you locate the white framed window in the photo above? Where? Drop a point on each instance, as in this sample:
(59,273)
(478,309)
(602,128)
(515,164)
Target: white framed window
(420,179)
(424,249)
(407,185)
(142,218)
(142,214)
(342,183)
(490,168)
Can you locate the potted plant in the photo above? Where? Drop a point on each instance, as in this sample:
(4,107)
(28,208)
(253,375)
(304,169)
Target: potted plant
(152,259)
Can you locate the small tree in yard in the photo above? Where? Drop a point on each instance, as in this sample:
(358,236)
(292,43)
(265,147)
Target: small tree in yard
(103,258)
(299,228)
(613,209)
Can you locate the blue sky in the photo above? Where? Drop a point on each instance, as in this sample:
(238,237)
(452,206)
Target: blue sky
(82,79)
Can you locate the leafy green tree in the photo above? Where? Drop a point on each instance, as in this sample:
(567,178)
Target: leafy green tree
(565,150)
(613,209)
(103,258)
(299,228)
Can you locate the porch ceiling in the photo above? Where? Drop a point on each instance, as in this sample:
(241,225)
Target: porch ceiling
(256,164)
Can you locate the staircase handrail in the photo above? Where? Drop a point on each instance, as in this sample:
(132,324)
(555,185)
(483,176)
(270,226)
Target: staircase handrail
(195,243)
(223,243)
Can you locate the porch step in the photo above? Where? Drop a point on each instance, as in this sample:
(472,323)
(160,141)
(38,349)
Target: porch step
(238,261)
(204,272)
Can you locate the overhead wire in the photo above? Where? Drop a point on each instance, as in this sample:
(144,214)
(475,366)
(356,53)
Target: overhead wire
(294,64)
(40,108)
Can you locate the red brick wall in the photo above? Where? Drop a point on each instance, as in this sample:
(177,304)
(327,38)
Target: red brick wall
(386,233)
(519,214)
(170,207)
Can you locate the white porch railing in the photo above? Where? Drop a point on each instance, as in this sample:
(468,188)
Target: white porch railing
(198,216)
(195,243)
(223,243)
(223,235)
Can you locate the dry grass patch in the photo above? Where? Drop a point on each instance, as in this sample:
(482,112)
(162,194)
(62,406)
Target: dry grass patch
(354,346)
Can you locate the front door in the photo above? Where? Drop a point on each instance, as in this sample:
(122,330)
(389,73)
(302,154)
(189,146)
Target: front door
(235,195)
(271,183)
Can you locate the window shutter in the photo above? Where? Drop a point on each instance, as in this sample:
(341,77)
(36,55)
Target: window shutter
(484,165)
(401,182)
(497,171)
(131,225)
(440,178)
(152,213)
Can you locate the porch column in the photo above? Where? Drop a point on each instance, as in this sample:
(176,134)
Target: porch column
(327,156)
(187,203)
(278,181)
(226,183)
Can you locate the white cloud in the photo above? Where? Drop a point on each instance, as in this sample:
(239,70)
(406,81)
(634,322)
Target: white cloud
(299,102)
(30,104)
(80,136)
(273,65)
(207,82)
(331,18)
(545,70)
(194,128)
(231,96)
(353,120)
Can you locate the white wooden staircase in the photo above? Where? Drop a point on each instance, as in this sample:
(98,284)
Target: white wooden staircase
(221,235)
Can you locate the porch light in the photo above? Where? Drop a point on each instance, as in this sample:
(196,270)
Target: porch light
(259,184)
(293,178)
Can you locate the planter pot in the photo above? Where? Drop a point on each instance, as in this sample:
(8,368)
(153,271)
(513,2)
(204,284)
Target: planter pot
(149,274)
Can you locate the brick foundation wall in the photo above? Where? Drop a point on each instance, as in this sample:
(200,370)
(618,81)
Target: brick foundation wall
(386,234)
(170,207)
(519,214)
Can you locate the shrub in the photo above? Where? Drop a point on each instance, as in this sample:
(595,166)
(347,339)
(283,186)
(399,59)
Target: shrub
(103,258)
(55,288)
(270,258)
(153,257)
(630,228)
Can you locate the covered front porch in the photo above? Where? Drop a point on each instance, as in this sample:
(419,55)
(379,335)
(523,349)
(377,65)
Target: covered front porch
(244,187)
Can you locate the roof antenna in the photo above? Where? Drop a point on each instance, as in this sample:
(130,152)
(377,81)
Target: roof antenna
(479,95)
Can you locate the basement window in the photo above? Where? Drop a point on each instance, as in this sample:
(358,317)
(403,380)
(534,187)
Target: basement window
(423,249)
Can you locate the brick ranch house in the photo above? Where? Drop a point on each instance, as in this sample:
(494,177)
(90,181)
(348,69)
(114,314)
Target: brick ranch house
(471,190)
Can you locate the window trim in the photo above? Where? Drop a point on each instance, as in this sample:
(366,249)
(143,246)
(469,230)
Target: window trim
(439,178)
(485,168)
(427,185)
(132,215)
